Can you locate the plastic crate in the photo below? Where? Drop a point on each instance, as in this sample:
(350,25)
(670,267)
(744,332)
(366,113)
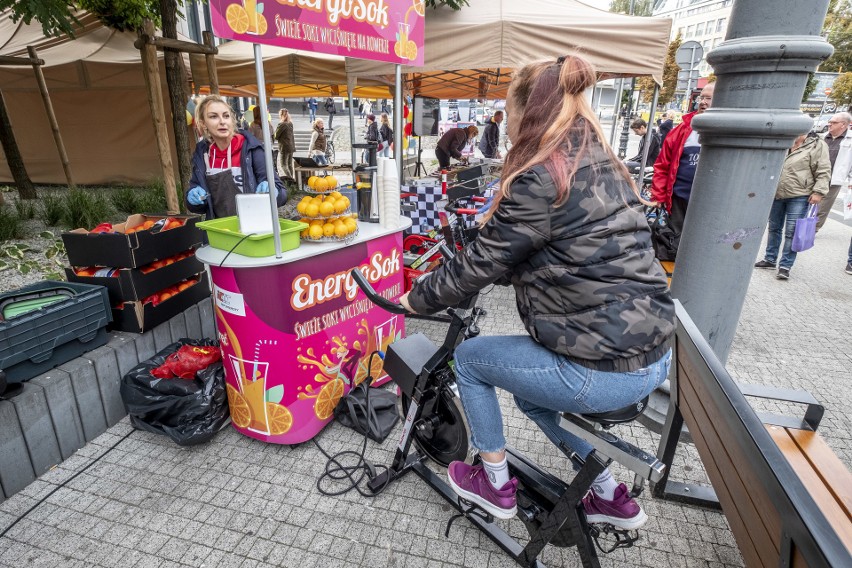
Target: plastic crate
(37,341)
(224,234)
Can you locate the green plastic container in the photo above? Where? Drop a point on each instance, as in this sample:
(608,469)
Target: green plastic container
(224,234)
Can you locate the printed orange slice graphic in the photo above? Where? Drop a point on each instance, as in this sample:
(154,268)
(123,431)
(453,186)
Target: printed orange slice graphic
(240,411)
(237,18)
(375,369)
(279,418)
(328,398)
(420,7)
(411,50)
(262,26)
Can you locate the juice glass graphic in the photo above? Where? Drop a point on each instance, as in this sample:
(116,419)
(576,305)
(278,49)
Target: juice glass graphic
(253,389)
(403,33)
(251,9)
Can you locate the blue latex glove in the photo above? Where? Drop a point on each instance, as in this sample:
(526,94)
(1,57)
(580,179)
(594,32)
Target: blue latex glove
(196,196)
(262,187)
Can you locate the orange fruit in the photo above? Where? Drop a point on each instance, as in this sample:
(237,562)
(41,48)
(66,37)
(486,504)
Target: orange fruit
(411,50)
(312,210)
(240,411)
(326,209)
(341,205)
(315,232)
(331,182)
(312,181)
(340,230)
(328,230)
(328,398)
(320,185)
(420,7)
(279,418)
(237,18)
(165,296)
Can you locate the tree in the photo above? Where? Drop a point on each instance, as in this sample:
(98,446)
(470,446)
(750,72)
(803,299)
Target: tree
(809,88)
(841,91)
(670,72)
(640,7)
(57,18)
(838,32)
(453,4)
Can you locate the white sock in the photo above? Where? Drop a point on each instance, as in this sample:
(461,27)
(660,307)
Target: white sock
(605,485)
(498,473)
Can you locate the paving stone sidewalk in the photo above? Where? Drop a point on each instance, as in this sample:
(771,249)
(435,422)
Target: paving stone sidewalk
(236,502)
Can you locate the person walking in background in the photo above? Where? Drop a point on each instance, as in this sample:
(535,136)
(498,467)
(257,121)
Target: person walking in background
(331,110)
(674,170)
(452,143)
(666,125)
(385,136)
(839,140)
(286,144)
(372,134)
(312,109)
(490,140)
(256,127)
(640,128)
(804,181)
(361,109)
(319,144)
(226,163)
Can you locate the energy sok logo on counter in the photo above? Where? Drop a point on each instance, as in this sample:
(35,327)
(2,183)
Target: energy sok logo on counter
(230,302)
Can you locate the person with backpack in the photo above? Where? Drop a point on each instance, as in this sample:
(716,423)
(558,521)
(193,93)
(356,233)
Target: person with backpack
(385,136)
(331,110)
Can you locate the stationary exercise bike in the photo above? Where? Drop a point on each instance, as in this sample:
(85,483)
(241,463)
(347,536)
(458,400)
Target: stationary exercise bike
(551,510)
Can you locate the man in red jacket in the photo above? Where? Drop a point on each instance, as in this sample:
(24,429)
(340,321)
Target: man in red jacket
(675,168)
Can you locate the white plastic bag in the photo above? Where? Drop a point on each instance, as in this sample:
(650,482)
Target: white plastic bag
(847,204)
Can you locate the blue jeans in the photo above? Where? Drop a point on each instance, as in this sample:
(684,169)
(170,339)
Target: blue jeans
(850,252)
(313,114)
(320,159)
(544,383)
(782,217)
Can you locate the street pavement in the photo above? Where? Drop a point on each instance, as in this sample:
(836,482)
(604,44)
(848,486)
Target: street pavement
(236,502)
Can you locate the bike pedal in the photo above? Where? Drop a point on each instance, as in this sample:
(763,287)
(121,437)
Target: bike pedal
(622,538)
(468,509)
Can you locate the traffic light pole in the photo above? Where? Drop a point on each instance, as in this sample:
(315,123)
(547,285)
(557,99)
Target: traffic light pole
(762,69)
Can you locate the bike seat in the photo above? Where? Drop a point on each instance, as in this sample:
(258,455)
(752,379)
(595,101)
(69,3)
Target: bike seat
(620,416)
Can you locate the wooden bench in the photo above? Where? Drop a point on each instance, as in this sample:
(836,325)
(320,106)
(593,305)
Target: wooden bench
(786,495)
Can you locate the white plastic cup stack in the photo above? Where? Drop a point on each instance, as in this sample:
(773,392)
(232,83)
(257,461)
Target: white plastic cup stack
(390,205)
(376,201)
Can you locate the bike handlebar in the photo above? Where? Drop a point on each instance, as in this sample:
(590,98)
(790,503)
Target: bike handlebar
(382,302)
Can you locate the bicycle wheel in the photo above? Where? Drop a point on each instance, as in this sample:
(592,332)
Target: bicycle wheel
(446,439)
(329,151)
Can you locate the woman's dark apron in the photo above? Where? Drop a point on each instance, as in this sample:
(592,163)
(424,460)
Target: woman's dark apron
(222,189)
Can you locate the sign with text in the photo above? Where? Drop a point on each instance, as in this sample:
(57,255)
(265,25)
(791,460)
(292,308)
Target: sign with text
(380,30)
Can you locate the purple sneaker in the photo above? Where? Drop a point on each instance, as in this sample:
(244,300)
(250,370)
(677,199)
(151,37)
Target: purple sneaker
(622,512)
(471,482)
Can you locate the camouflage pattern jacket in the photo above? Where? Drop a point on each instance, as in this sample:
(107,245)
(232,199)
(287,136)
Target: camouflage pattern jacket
(586,281)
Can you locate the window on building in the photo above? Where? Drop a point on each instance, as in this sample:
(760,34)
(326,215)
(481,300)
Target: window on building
(706,45)
(709,27)
(699,29)
(689,31)
(720,25)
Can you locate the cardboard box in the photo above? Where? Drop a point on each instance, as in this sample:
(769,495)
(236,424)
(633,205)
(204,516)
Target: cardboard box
(132,284)
(137,317)
(131,250)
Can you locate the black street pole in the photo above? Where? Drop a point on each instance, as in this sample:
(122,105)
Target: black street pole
(625,128)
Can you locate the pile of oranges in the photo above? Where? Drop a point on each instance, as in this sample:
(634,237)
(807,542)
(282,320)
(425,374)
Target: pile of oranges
(167,293)
(322,184)
(323,205)
(339,227)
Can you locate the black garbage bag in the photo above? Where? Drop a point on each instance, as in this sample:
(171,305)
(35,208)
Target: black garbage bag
(663,237)
(189,411)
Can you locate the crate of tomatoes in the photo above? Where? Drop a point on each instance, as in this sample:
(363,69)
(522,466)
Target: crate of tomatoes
(138,316)
(138,241)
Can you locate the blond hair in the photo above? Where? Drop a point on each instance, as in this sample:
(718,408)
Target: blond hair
(201,108)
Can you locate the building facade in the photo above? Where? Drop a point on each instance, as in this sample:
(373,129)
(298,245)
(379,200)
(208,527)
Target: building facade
(704,21)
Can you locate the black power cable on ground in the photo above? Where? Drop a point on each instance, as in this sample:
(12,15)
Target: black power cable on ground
(361,469)
(63,484)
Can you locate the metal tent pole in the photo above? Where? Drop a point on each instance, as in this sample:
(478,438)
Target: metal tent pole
(267,148)
(350,86)
(397,122)
(647,145)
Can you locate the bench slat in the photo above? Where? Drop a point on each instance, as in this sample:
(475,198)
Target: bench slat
(758,543)
(828,466)
(811,479)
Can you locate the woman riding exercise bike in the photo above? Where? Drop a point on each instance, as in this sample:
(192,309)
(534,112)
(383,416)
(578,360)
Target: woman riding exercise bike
(566,232)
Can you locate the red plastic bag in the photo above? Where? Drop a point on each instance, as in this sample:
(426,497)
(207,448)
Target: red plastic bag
(187,361)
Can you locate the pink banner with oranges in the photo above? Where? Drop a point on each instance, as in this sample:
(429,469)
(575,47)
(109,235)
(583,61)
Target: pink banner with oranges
(380,30)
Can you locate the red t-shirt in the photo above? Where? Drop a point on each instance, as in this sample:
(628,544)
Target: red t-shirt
(218,159)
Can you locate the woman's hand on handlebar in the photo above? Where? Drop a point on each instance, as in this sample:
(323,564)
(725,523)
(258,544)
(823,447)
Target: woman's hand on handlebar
(404,301)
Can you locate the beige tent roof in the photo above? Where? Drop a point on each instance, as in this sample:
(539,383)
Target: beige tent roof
(288,72)
(471,53)
(97,90)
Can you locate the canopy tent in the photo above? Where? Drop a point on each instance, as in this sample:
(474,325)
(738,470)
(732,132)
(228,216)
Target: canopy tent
(97,90)
(288,72)
(471,53)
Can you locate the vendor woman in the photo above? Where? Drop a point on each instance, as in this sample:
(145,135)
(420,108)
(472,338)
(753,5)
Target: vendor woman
(226,162)
(451,144)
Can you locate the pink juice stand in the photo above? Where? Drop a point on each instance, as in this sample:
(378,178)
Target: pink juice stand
(296,332)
